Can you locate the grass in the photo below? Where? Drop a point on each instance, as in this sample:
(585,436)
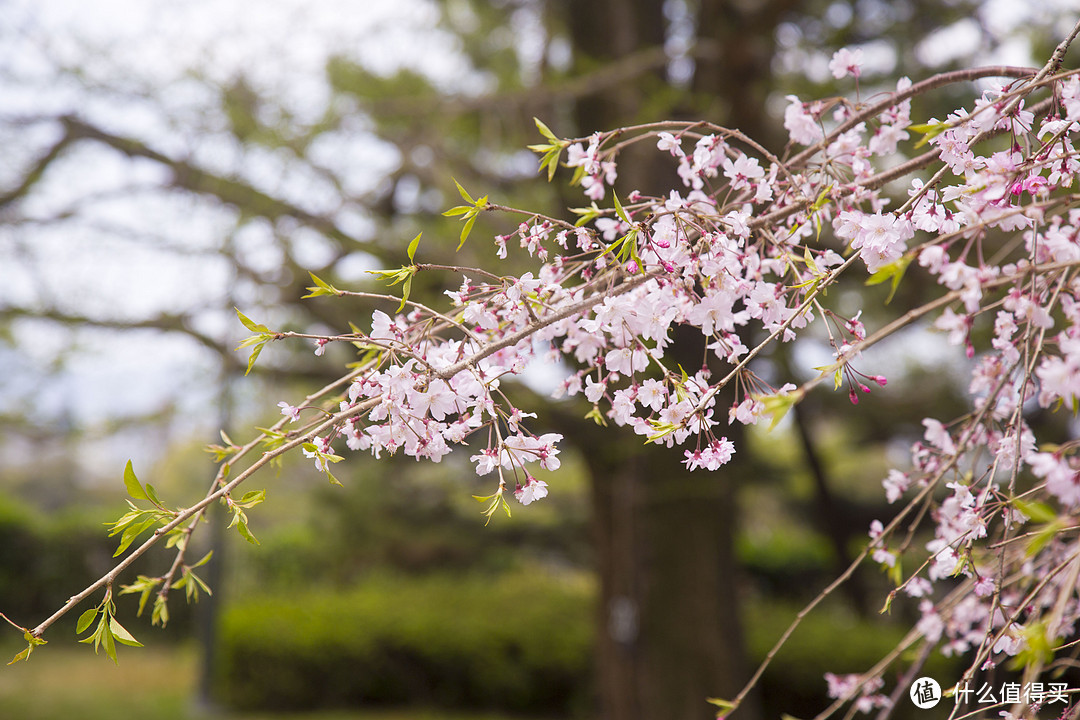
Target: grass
(157,683)
(74,683)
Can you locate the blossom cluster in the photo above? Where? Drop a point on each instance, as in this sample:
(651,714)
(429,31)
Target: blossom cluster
(742,253)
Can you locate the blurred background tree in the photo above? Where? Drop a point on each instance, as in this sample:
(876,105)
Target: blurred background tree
(142,202)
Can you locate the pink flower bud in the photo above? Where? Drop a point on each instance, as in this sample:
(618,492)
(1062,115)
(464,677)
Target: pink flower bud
(881,380)
(632,267)
(853,397)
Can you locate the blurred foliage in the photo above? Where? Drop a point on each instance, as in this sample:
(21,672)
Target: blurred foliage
(44,556)
(516,642)
(519,642)
(157,685)
(413,518)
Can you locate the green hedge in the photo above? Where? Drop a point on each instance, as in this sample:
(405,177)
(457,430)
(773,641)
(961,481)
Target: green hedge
(46,558)
(519,643)
(515,643)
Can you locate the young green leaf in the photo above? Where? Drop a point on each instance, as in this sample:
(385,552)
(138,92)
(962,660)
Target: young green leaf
(321,287)
(893,271)
(823,199)
(199,582)
(254,356)
(109,642)
(205,559)
(160,616)
(85,620)
(251,324)
(596,416)
(413,245)
(545,131)
(246,534)
(929,131)
(469,222)
(151,495)
(121,634)
(31,643)
(405,290)
(250,500)
(464,195)
(778,404)
(134,488)
(131,532)
(619,209)
(587,214)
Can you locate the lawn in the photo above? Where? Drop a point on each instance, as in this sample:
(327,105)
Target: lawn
(152,683)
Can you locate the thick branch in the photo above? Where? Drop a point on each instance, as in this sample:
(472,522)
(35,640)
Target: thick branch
(230,191)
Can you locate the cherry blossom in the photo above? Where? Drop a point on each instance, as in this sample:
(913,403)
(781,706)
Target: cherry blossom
(742,257)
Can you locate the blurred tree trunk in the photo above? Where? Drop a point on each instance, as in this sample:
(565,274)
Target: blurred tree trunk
(670,627)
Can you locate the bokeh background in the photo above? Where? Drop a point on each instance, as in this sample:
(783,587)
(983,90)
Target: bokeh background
(165,162)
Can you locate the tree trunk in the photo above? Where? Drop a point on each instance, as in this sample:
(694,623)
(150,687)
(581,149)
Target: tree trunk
(669,623)
(670,631)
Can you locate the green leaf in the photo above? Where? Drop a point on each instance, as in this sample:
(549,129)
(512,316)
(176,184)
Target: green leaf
(808,259)
(161,612)
(31,643)
(588,214)
(405,290)
(254,356)
(619,209)
(151,494)
(85,620)
(413,245)
(896,572)
(551,160)
(321,287)
(929,131)
(777,405)
(251,324)
(198,580)
(545,131)
(596,416)
(249,500)
(143,585)
(177,538)
(110,644)
(246,534)
(661,429)
(121,634)
(131,532)
(1036,511)
(724,705)
(822,199)
(893,271)
(466,230)
(23,655)
(464,195)
(1042,537)
(134,488)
